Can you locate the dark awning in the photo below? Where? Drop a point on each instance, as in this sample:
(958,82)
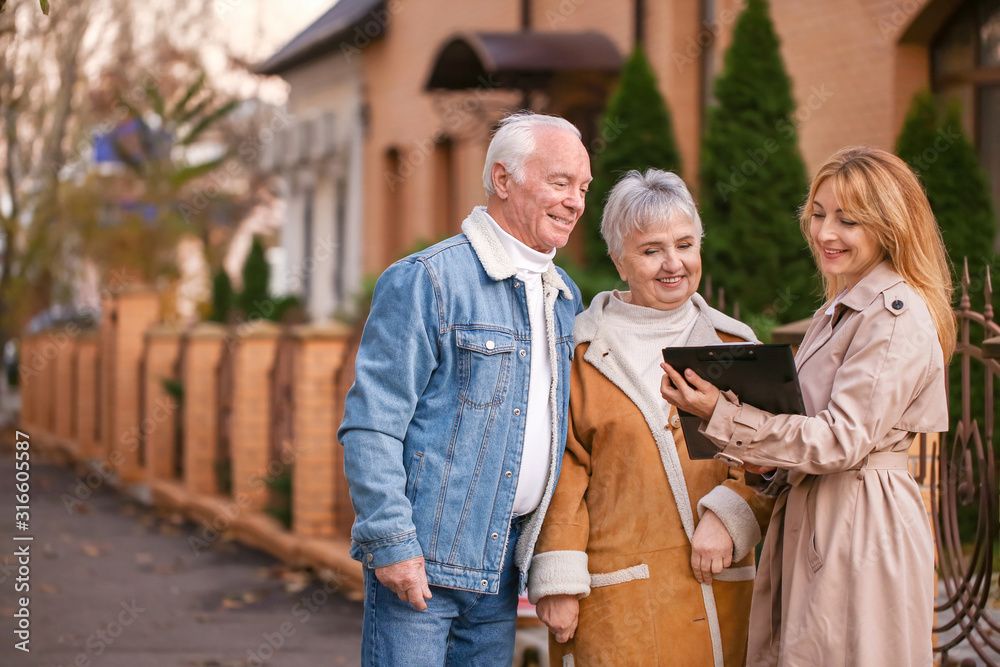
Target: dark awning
(520,60)
(328,32)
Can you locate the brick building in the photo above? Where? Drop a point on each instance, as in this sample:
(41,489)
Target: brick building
(422,82)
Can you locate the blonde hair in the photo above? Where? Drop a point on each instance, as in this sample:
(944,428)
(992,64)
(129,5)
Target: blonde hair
(880,192)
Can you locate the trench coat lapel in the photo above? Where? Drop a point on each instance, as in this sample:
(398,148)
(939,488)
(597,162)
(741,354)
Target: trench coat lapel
(818,334)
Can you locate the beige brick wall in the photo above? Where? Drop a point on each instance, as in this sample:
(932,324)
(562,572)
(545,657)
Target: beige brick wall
(850,89)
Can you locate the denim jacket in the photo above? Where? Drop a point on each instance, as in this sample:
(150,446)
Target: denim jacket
(434,425)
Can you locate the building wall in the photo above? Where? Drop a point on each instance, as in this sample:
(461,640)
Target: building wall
(854,68)
(321,91)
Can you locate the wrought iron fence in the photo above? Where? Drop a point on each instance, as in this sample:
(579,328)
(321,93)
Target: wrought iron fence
(966,475)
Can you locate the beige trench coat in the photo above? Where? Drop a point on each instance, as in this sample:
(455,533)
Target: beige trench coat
(847,570)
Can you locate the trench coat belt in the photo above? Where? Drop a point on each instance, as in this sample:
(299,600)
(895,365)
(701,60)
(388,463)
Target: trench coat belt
(883,461)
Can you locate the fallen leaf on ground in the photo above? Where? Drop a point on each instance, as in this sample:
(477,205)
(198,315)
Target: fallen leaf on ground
(91,550)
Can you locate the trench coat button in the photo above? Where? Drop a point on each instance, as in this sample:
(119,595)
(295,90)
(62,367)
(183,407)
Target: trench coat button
(490,345)
(517,411)
(524,353)
(897,304)
(508,474)
(675,421)
(494,536)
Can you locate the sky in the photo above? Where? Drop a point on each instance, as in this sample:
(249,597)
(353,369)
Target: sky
(258,28)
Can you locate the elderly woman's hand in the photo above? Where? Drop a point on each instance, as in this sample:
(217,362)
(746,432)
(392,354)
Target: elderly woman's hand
(689,393)
(711,548)
(560,613)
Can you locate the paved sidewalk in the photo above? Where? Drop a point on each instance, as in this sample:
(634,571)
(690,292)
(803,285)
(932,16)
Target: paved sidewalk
(115,585)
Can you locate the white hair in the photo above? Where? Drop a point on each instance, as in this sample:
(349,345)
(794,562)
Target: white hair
(514,142)
(641,202)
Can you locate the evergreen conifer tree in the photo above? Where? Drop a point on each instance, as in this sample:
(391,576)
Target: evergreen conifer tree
(636,133)
(222,296)
(936,148)
(253,300)
(753,180)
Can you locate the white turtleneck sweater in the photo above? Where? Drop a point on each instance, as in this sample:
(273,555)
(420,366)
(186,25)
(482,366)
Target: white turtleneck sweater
(642,333)
(530,265)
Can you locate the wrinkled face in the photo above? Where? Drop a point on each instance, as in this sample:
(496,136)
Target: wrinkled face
(844,248)
(662,266)
(543,210)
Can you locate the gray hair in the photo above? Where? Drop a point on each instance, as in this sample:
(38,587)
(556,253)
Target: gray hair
(514,142)
(641,202)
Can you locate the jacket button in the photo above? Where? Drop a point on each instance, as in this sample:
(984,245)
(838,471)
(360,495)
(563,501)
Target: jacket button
(508,474)
(484,583)
(739,443)
(516,284)
(517,411)
(675,421)
(523,353)
(897,304)
(494,536)
(371,557)
(490,345)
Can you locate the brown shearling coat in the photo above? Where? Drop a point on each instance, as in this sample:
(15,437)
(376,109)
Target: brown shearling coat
(617,500)
(847,570)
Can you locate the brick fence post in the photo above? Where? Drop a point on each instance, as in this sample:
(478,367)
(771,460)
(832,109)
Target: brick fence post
(87,393)
(64,386)
(201,412)
(133,310)
(162,346)
(27,383)
(319,355)
(255,345)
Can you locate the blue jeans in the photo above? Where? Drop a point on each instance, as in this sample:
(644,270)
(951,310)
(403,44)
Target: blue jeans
(461,628)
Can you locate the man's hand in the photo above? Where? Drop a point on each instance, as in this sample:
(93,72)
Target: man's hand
(689,393)
(561,613)
(711,548)
(408,580)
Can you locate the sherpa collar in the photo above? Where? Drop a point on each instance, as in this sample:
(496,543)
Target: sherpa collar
(589,323)
(495,260)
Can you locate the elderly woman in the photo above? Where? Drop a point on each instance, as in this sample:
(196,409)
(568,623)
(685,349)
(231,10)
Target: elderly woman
(645,557)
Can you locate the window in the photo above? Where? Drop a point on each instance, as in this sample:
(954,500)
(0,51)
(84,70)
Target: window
(393,228)
(307,243)
(446,220)
(339,239)
(965,66)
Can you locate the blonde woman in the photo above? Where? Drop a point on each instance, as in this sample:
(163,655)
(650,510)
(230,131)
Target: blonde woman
(847,570)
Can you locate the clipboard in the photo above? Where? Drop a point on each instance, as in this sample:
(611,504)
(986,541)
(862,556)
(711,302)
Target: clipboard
(762,375)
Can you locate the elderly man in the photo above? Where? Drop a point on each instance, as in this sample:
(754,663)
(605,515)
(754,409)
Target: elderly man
(454,429)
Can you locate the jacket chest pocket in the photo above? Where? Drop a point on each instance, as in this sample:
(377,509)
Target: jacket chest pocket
(484,361)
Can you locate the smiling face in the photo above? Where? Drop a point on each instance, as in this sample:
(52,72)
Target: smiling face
(543,210)
(844,249)
(663,265)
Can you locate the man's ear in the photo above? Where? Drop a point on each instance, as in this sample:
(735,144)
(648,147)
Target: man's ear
(501,178)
